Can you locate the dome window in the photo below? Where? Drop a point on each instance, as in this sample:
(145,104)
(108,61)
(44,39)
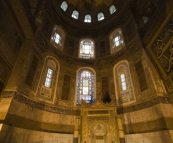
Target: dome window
(64,5)
(100,16)
(75,14)
(112,9)
(87,18)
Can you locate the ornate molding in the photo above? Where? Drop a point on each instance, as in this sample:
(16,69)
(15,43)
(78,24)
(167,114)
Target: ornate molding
(20,98)
(143,105)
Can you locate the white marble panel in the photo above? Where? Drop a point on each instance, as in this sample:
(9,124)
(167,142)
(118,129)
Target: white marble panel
(147,114)
(36,114)
(18,135)
(153,137)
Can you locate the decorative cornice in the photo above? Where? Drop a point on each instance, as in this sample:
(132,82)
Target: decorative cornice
(20,98)
(143,105)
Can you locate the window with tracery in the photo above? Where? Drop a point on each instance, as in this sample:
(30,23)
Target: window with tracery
(64,5)
(48,77)
(124,85)
(87,18)
(116,40)
(48,80)
(86,50)
(112,9)
(100,16)
(85,88)
(57,37)
(75,14)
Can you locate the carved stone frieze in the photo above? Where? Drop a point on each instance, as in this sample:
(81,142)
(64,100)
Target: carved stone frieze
(20,98)
(143,105)
(8,94)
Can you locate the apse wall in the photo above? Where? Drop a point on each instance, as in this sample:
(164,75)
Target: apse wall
(33,117)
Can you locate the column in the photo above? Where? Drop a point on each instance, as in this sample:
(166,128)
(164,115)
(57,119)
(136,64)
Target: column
(76,130)
(121,130)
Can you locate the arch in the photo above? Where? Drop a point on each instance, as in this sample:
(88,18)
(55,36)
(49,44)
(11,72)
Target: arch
(87,18)
(86,48)
(64,5)
(100,16)
(116,40)
(124,85)
(57,37)
(48,80)
(112,9)
(75,14)
(85,86)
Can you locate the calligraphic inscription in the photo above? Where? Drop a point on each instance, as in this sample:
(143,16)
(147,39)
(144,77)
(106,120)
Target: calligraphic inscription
(99,112)
(163,47)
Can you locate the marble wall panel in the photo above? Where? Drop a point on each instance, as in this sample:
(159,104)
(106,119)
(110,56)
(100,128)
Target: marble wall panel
(153,137)
(147,114)
(171,134)
(11,134)
(167,110)
(35,114)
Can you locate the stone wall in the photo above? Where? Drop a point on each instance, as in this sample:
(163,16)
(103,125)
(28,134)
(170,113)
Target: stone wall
(11,134)
(152,137)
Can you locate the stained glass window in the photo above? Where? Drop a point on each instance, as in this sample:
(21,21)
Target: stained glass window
(86,49)
(48,78)
(112,9)
(85,87)
(64,5)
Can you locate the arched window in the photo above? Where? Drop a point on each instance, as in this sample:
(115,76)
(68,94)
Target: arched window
(123,82)
(85,87)
(48,77)
(116,40)
(48,80)
(75,14)
(57,37)
(86,49)
(100,16)
(87,18)
(64,5)
(112,9)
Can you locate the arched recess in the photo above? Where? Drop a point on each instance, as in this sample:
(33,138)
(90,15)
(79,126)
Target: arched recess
(57,37)
(123,83)
(116,40)
(85,86)
(98,133)
(48,80)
